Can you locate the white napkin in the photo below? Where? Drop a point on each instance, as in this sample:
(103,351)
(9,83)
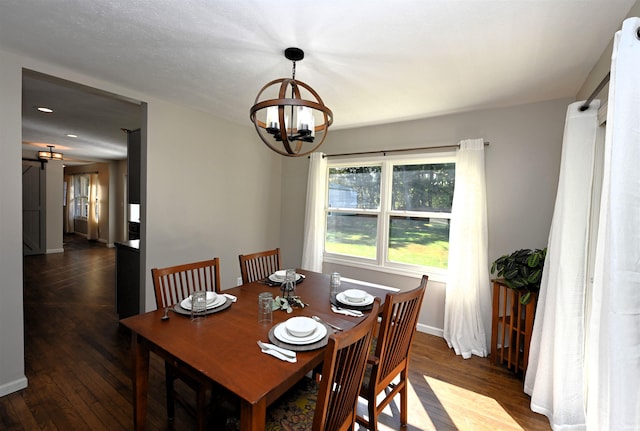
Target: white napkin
(231,297)
(352,313)
(279,355)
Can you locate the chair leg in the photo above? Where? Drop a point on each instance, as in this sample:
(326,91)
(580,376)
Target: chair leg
(169,378)
(201,407)
(404,406)
(373,413)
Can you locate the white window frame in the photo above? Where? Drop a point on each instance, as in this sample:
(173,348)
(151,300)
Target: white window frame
(381,263)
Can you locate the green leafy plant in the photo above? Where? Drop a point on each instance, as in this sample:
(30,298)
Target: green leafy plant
(521,269)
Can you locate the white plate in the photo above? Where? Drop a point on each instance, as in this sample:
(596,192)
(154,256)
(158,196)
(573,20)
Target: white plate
(281,334)
(276,279)
(213,301)
(367,301)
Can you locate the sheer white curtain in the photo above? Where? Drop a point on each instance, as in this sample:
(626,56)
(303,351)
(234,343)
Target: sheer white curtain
(69,227)
(313,245)
(584,363)
(93,227)
(467,309)
(554,377)
(613,341)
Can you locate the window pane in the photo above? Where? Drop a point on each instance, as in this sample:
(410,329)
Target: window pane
(419,241)
(352,234)
(354,187)
(423,187)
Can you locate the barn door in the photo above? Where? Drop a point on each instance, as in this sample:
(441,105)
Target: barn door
(33,208)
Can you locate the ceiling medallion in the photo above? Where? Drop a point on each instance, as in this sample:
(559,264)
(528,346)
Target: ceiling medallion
(275,117)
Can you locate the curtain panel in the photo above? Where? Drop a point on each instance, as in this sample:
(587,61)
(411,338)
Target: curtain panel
(613,340)
(467,314)
(554,376)
(314,223)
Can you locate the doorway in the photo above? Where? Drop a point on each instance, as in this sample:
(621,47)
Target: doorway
(87,125)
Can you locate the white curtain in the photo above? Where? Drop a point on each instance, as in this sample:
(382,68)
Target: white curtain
(314,227)
(69,227)
(93,227)
(584,363)
(467,309)
(554,376)
(613,341)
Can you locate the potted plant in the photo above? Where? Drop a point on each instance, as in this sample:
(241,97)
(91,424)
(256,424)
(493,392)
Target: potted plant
(521,269)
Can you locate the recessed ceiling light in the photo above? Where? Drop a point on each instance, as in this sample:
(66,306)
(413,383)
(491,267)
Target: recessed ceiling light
(71,135)
(44,109)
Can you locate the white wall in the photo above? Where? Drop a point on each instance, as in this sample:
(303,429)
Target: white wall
(522,165)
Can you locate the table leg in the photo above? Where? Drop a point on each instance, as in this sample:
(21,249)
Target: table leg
(253,417)
(140,382)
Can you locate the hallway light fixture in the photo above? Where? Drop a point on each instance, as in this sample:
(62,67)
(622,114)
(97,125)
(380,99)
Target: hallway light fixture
(49,155)
(275,117)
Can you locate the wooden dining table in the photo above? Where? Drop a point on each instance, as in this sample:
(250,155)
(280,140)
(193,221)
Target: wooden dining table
(223,346)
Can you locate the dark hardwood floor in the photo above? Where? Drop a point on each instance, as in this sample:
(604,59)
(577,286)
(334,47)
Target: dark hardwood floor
(77,362)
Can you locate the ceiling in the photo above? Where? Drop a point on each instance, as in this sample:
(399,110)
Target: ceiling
(372,62)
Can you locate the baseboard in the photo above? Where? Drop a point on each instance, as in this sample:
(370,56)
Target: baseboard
(11,387)
(54,250)
(430,330)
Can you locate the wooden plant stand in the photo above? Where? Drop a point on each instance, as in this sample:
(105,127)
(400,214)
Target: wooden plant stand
(511,327)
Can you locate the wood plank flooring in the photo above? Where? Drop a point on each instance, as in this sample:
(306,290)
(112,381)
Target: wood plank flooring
(78,364)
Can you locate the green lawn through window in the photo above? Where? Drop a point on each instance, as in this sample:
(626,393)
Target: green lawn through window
(414,241)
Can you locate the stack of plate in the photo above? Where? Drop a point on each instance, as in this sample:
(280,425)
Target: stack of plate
(355,297)
(213,300)
(300,330)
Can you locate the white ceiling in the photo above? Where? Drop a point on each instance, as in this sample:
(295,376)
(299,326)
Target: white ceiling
(372,62)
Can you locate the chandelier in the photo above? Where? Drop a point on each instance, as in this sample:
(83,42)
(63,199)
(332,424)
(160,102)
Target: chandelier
(49,155)
(294,126)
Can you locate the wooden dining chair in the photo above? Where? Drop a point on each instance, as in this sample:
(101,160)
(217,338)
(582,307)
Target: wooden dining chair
(172,285)
(388,366)
(328,405)
(258,266)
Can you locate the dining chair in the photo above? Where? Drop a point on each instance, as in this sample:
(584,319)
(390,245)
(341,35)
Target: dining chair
(172,285)
(388,366)
(328,405)
(258,266)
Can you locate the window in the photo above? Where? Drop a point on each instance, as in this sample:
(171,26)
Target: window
(80,196)
(390,213)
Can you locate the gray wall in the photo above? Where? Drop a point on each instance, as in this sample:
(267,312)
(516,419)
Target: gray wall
(12,377)
(522,166)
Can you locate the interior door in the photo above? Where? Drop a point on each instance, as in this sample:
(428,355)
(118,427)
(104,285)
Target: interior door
(33,208)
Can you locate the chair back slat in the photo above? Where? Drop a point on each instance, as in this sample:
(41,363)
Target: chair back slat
(258,266)
(174,283)
(392,348)
(399,334)
(342,373)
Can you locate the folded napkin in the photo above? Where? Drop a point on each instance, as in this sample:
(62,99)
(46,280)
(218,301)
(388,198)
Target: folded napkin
(353,313)
(279,355)
(278,352)
(231,297)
